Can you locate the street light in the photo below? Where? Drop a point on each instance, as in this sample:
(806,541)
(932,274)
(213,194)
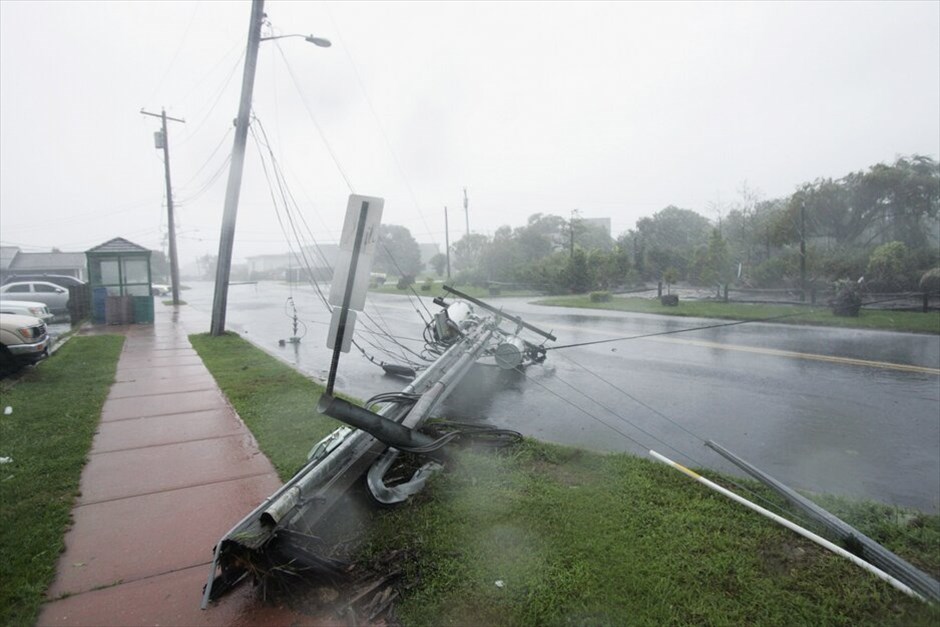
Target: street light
(233,188)
(317,41)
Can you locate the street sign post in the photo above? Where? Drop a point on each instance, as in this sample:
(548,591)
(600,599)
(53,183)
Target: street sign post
(351,273)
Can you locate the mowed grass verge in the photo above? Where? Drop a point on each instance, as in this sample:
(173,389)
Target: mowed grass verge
(907,321)
(545,535)
(583,538)
(276,402)
(55,412)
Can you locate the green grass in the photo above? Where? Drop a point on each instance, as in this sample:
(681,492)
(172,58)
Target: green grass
(584,538)
(276,402)
(56,409)
(581,538)
(908,321)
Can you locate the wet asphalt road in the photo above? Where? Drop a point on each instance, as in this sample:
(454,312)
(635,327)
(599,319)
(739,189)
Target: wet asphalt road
(789,399)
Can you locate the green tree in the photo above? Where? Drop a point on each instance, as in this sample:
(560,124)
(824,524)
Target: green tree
(889,267)
(439,263)
(717,265)
(468,252)
(670,276)
(503,257)
(578,273)
(397,252)
(669,238)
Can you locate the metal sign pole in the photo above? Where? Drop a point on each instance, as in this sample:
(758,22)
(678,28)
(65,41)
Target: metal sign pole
(344,312)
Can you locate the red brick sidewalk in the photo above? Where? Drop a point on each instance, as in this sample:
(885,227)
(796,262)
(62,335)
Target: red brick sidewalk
(171,469)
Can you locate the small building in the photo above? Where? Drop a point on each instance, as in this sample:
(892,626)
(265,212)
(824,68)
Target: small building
(120,280)
(14,261)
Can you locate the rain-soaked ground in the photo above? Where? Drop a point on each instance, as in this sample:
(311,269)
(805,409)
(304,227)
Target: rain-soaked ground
(793,400)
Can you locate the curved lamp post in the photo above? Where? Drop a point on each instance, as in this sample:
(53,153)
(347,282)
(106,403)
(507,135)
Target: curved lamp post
(317,41)
(233,188)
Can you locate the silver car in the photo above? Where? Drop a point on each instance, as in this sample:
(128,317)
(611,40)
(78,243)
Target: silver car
(26,308)
(56,298)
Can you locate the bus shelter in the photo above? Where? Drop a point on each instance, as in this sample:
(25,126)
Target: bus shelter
(120,279)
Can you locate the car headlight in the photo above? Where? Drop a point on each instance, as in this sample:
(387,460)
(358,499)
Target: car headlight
(26,332)
(36,311)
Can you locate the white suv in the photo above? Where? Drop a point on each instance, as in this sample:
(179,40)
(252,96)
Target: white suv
(23,340)
(26,308)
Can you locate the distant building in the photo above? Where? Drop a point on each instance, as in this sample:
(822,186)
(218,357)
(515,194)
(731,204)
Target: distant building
(14,261)
(313,262)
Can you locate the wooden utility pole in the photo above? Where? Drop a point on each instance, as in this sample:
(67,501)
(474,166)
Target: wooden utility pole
(466,210)
(164,142)
(802,251)
(233,188)
(447,241)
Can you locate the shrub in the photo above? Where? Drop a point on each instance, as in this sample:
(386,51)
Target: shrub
(600,297)
(889,266)
(930,281)
(847,300)
(406,281)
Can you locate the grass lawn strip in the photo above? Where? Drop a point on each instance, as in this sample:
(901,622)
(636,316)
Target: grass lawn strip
(876,319)
(579,537)
(276,402)
(56,408)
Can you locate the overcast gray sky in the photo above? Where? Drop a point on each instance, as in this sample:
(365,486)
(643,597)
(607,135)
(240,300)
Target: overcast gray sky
(615,109)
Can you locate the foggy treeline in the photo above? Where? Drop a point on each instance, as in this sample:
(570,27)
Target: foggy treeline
(881,224)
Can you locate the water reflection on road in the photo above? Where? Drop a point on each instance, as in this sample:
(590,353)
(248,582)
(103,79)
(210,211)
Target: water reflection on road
(860,431)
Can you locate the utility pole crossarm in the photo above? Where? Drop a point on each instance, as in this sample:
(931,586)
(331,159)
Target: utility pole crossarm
(161,115)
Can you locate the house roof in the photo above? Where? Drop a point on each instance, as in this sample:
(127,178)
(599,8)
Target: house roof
(47,261)
(7,253)
(118,245)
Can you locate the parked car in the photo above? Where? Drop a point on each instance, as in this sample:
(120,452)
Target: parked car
(23,341)
(54,296)
(158,289)
(26,308)
(62,280)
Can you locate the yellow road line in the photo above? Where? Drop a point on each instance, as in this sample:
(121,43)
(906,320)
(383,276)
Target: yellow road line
(795,355)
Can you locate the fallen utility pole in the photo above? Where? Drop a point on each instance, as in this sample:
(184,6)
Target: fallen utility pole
(279,530)
(869,549)
(809,535)
(370,445)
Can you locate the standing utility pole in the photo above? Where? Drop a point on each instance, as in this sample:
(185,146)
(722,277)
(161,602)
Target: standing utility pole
(574,215)
(447,241)
(802,251)
(164,142)
(233,189)
(466,211)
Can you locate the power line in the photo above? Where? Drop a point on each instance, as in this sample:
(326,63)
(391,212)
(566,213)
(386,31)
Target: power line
(313,118)
(378,122)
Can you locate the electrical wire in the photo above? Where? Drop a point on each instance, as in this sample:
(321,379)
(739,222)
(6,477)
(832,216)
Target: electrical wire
(674,331)
(313,119)
(375,342)
(378,122)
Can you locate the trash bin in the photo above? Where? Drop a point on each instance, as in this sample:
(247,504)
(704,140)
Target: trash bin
(143,309)
(98,298)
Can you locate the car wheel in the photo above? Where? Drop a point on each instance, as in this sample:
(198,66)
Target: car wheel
(8,365)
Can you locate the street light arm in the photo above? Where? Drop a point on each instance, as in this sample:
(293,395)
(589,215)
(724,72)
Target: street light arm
(317,41)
